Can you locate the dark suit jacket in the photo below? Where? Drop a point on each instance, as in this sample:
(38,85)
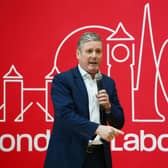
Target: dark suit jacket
(72,129)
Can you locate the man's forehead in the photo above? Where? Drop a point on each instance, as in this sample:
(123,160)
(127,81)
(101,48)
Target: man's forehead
(90,44)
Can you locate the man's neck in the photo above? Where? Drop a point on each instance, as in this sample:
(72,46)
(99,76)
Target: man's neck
(91,74)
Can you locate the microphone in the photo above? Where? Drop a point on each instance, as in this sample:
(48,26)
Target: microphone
(99,82)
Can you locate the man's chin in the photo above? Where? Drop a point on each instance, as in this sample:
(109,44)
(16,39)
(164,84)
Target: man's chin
(93,71)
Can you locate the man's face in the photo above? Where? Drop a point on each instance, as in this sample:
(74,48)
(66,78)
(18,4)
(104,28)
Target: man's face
(90,56)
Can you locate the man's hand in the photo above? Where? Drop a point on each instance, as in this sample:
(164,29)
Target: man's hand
(103,99)
(108,132)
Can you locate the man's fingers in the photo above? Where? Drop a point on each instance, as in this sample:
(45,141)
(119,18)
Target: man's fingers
(108,132)
(118,131)
(102,91)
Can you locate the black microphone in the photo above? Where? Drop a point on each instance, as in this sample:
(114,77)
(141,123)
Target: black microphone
(99,82)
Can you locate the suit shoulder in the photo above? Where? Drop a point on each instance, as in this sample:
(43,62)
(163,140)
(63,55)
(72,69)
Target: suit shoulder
(64,76)
(107,78)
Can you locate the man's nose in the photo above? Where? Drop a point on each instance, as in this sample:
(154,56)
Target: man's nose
(93,55)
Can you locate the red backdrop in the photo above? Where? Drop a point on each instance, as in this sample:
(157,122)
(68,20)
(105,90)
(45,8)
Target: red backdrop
(38,40)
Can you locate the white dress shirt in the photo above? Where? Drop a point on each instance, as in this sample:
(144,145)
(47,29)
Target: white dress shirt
(94,108)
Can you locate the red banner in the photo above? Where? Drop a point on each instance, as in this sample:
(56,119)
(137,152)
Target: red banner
(38,40)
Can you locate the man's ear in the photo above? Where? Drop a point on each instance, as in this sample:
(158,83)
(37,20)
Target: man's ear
(77,54)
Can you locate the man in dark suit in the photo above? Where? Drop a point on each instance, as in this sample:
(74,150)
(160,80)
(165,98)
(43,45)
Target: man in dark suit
(81,136)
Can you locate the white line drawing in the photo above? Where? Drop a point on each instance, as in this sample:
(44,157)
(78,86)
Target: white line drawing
(16,76)
(120,60)
(19,118)
(108,60)
(49,117)
(13,76)
(114,37)
(158,74)
(135,87)
(55,67)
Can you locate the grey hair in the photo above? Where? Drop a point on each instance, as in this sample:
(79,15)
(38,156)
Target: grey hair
(88,36)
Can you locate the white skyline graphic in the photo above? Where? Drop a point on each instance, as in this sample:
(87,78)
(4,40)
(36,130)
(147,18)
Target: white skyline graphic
(130,52)
(13,76)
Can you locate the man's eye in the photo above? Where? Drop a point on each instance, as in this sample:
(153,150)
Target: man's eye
(89,51)
(98,51)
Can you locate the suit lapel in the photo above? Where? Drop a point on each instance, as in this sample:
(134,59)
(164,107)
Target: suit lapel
(81,89)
